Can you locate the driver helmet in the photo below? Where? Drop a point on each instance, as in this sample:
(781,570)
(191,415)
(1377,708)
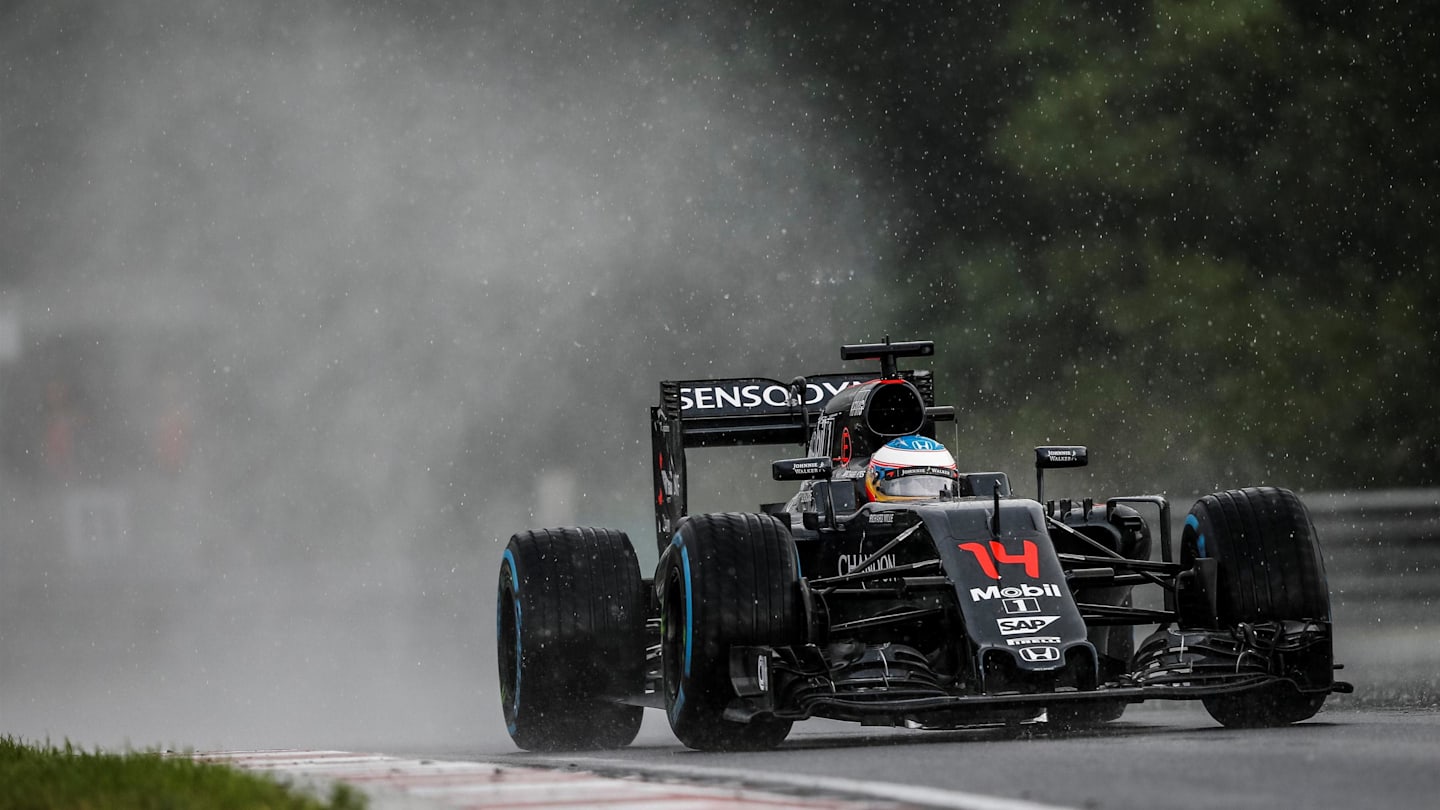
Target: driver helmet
(910,468)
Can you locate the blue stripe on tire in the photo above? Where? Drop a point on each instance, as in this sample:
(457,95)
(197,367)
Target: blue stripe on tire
(689,608)
(514,589)
(1194,523)
(679,704)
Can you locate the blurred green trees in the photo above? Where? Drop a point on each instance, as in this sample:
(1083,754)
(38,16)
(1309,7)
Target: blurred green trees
(1199,235)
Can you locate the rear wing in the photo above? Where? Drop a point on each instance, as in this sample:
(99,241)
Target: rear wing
(748,410)
(738,412)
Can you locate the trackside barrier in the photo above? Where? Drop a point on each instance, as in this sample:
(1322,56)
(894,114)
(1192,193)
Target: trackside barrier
(1382,557)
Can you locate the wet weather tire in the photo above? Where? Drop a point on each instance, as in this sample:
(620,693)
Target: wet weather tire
(1268,569)
(729,579)
(570,636)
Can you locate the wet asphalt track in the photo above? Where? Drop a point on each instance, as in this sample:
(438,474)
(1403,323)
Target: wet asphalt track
(1155,757)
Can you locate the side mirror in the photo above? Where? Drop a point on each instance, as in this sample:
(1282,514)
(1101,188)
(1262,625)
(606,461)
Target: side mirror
(801,469)
(1055,458)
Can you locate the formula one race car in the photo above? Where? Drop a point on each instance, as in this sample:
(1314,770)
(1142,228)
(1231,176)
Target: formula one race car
(893,589)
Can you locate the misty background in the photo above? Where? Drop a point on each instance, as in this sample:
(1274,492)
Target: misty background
(305,308)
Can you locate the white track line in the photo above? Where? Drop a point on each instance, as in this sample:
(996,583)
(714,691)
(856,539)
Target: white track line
(903,794)
(393,783)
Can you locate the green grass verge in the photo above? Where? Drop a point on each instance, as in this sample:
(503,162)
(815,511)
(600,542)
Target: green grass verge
(36,777)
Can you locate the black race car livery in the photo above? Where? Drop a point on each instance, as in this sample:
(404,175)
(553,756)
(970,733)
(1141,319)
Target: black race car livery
(969,605)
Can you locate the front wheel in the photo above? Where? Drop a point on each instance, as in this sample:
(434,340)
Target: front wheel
(570,639)
(731,579)
(1269,570)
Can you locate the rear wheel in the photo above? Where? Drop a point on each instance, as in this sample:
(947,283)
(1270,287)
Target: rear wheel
(732,579)
(1268,569)
(570,636)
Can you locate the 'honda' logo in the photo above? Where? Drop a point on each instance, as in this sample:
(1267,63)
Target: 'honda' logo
(1040,655)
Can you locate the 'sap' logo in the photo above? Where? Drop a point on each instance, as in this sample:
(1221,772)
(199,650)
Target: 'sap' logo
(1018,625)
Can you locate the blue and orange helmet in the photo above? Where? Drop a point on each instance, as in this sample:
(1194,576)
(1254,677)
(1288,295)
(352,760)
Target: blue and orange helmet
(910,468)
